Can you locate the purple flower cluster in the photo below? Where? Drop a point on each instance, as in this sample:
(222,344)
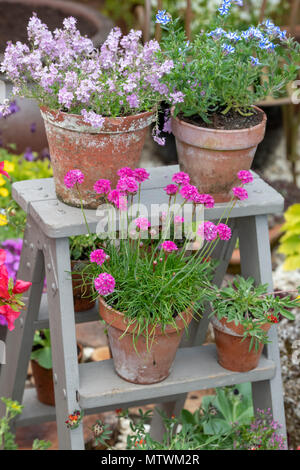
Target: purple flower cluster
(13,248)
(124,77)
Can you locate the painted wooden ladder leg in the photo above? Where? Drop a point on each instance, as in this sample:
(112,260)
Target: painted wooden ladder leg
(197,334)
(63,340)
(256,262)
(19,341)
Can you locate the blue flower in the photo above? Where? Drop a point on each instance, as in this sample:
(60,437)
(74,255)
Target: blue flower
(216,33)
(266,45)
(162,17)
(255,61)
(233,37)
(228,49)
(225,7)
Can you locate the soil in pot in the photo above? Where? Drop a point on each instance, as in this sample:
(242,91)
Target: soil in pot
(213,153)
(81,293)
(233,353)
(43,379)
(143,365)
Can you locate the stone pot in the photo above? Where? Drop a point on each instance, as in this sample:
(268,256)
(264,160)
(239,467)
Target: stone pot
(16,128)
(213,157)
(81,294)
(97,153)
(43,379)
(146,366)
(233,353)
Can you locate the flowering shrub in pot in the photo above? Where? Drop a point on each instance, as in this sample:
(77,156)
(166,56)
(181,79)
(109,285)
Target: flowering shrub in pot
(242,317)
(97,104)
(221,75)
(150,282)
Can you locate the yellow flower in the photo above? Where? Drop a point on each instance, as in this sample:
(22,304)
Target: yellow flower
(9,166)
(16,406)
(4,192)
(2,181)
(3,220)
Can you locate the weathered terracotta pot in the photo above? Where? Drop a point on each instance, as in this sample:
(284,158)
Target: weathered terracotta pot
(81,294)
(97,153)
(213,157)
(233,354)
(148,366)
(43,379)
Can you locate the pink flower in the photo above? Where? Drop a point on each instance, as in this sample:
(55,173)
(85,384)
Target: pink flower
(169,246)
(98,256)
(178,219)
(21,286)
(240,193)
(189,192)
(171,189)
(245,176)
(142,223)
(10,316)
(125,171)
(141,175)
(127,184)
(118,199)
(224,232)
(2,171)
(102,186)
(205,199)
(73,177)
(181,178)
(208,231)
(105,284)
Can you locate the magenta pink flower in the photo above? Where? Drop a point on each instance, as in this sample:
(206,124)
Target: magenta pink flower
(245,176)
(189,192)
(125,171)
(240,193)
(98,256)
(73,177)
(102,186)
(181,178)
(141,175)
(205,199)
(169,246)
(127,184)
(105,284)
(171,189)
(178,219)
(142,223)
(118,199)
(208,231)
(224,232)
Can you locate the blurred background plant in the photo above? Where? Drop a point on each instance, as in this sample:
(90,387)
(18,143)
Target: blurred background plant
(290,241)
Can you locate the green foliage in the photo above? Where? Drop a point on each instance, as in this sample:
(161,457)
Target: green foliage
(42,348)
(101,433)
(122,11)
(252,307)
(203,71)
(82,245)
(7,438)
(290,241)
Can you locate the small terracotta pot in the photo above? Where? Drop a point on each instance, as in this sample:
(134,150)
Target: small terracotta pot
(43,379)
(81,294)
(233,353)
(213,157)
(148,366)
(97,153)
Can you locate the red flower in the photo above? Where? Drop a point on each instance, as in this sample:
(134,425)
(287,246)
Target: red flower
(4,283)
(21,287)
(2,171)
(2,256)
(10,316)
(272,319)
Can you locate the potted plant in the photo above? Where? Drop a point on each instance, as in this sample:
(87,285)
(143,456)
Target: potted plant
(97,104)
(221,75)
(41,363)
(242,316)
(149,290)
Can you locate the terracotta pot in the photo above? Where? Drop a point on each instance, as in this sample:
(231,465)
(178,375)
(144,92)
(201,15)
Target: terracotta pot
(233,354)
(148,366)
(213,157)
(16,128)
(43,379)
(81,294)
(97,153)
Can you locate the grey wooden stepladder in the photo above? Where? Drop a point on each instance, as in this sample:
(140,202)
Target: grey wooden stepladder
(95,387)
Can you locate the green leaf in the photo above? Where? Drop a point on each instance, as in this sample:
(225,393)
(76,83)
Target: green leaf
(43,357)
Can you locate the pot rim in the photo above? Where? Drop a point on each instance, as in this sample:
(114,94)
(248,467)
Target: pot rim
(119,321)
(223,131)
(112,125)
(234,330)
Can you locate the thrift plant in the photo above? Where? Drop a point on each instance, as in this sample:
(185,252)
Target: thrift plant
(149,273)
(252,307)
(63,71)
(224,69)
